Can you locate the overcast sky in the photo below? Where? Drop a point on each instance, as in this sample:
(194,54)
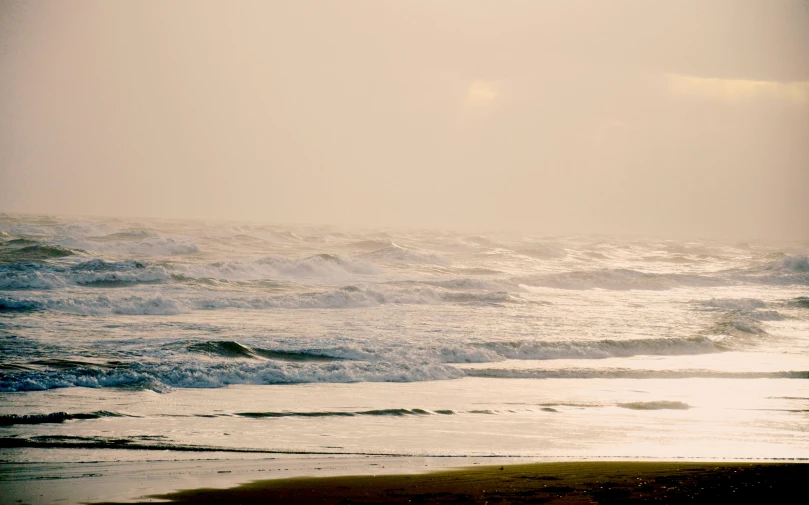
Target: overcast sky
(680,118)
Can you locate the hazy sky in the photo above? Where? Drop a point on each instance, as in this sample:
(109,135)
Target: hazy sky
(686,117)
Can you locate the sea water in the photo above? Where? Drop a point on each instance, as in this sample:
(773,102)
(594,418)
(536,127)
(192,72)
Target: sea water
(144,339)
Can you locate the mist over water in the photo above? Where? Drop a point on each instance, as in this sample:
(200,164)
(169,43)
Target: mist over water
(669,119)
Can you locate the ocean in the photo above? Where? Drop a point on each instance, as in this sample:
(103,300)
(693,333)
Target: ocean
(158,340)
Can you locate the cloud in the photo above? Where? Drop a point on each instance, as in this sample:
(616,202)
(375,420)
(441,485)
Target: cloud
(737,90)
(482,94)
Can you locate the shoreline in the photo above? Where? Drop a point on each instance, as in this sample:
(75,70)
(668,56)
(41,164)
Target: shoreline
(285,479)
(555,482)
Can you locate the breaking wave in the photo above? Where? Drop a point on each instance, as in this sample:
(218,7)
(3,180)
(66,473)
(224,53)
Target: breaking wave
(96,272)
(236,363)
(19,276)
(797,263)
(98,305)
(341,298)
(784,269)
(194,374)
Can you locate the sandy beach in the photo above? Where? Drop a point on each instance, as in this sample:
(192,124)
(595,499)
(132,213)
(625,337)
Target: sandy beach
(568,483)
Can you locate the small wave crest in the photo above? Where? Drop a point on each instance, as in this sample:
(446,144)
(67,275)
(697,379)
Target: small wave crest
(100,272)
(54,417)
(317,266)
(230,349)
(545,350)
(656,405)
(377,413)
(543,252)
(741,314)
(619,279)
(629,373)
(370,245)
(474,284)
(739,331)
(401,254)
(126,236)
(147,245)
(738,304)
(139,443)
(11,253)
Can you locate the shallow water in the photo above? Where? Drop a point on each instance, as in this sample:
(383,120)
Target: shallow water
(120,337)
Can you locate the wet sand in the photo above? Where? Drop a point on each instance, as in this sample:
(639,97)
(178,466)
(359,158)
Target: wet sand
(564,483)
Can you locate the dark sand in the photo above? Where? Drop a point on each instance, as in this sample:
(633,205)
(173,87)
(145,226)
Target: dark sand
(591,482)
